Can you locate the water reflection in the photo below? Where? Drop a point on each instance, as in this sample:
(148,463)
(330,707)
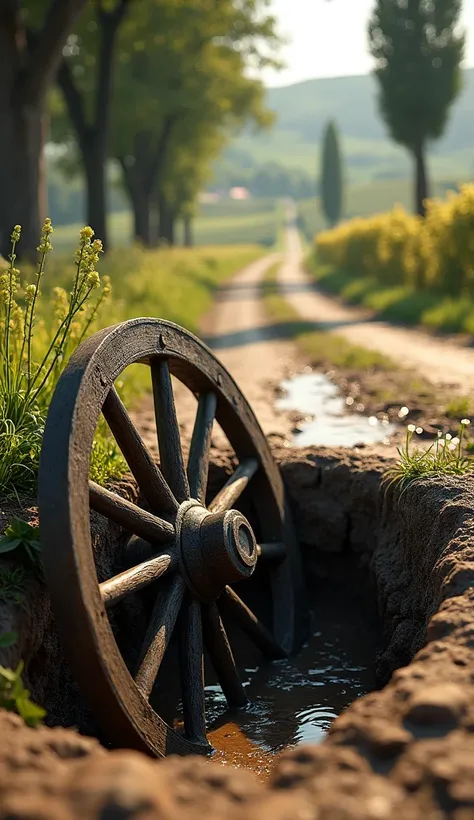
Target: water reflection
(330,424)
(295,701)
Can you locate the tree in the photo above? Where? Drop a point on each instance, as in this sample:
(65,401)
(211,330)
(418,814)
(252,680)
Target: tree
(189,80)
(331,176)
(85,79)
(32,37)
(418,51)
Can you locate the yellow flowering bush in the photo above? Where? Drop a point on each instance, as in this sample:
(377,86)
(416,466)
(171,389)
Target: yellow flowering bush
(397,248)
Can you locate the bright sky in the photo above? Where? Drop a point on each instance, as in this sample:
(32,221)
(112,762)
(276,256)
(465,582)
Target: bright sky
(329,38)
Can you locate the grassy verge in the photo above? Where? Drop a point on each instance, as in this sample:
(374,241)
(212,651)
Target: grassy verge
(397,303)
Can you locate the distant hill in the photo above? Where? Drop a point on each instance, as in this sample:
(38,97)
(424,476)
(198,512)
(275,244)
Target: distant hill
(304,108)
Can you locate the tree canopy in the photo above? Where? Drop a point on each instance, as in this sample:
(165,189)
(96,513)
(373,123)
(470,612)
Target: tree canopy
(418,48)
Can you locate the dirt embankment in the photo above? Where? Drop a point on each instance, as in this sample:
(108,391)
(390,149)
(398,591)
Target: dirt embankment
(406,751)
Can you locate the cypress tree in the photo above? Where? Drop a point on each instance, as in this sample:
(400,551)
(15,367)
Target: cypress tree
(331,176)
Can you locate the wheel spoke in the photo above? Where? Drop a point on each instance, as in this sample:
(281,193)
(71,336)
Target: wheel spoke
(272,553)
(198,462)
(162,622)
(169,442)
(222,659)
(135,578)
(192,672)
(149,478)
(128,515)
(234,487)
(250,624)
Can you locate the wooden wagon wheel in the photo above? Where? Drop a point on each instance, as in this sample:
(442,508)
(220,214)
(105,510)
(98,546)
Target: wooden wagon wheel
(198,552)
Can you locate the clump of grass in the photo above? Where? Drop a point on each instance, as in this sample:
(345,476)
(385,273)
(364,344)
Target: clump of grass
(13,695)
(13,583)
(458,407)
(445,456)
(23,539)
(34,350)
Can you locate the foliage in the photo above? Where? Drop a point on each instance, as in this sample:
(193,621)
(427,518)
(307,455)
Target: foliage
(445,456)
(36,341)
(432,255)
(183,64)
(21,536)
(418,51)
(13,695)
(13,582)
(331,176)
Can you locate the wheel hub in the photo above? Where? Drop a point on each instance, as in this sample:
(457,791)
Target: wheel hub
(216,549)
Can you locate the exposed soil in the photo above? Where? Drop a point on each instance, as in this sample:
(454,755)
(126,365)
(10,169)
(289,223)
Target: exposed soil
(406,751)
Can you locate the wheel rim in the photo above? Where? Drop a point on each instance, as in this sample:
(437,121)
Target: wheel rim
(198,552)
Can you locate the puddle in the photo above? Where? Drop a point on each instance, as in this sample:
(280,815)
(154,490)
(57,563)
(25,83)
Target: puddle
(295,701)
(331,425)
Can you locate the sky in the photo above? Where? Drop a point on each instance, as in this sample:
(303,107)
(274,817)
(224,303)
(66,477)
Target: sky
(329,39)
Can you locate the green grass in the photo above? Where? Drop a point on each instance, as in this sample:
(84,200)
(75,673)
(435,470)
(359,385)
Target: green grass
(397,303)
(444,457)
(320,347)
(174,284)
(229,222)
(458,407)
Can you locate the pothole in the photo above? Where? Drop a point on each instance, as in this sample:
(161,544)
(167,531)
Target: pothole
(329,419)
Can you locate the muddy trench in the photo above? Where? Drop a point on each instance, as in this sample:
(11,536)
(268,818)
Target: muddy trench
(382,688)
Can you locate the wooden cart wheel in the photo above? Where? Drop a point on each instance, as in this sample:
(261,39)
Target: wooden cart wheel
(199,552)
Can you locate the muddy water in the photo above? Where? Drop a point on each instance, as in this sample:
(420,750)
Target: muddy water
(330,418)
(295,701)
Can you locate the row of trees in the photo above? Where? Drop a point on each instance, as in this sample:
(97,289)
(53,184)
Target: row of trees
(155,85)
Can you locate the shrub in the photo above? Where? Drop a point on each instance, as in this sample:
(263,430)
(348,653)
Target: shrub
(397,248)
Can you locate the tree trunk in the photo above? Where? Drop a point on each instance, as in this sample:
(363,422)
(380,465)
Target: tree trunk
(96,203)
(188,232)
(421,178)
(141,219)
(27,67)
(166,221)
(21,148)
(139,194)
(92,138)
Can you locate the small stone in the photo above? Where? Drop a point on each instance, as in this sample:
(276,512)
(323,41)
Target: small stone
(441,704)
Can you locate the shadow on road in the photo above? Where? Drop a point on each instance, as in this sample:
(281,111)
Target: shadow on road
(269,333)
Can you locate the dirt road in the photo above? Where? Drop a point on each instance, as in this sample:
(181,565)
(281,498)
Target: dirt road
(250,347)
(444,362)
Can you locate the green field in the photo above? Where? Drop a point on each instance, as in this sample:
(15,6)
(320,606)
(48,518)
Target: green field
(251,222)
